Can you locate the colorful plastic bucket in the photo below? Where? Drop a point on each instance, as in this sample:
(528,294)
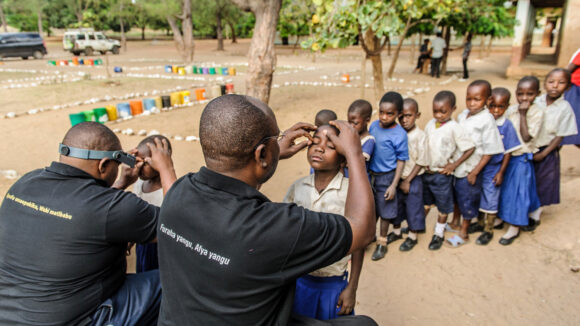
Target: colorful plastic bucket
(81,61)
(75,61)
(136,107)
(230,88)
(168,69)
(158,103)
(89,62)
(112,112)
(185,97)
(123,110)
(232,71)
(76,118)
(224,71)
(223,89)
(212,71)
(52,62)
(101,115)
(174,69)
(165,101)
(181,71)
(175,98)
(98,62)
(89,115)
(194,70)
(148,104)
(118,69)
(200,94)
(345,78)
(205,71)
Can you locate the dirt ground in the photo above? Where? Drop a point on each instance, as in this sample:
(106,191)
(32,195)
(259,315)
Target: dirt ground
(528,283)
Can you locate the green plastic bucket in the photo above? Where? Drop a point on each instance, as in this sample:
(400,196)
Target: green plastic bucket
(89,115)
(212,71)
(195,70)
(76,118)
(101,115)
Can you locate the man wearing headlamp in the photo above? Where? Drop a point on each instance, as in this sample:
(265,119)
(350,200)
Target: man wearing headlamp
(64,230)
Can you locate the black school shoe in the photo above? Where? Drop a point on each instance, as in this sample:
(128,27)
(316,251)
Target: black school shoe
(532,225)
(436,242)
(380,252)
(392,237)
(474,227)
(408,244)
(507,242)
(484,238)
(498,227)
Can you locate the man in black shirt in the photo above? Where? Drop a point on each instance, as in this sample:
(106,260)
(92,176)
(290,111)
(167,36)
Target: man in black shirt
(229,256)
(64,232)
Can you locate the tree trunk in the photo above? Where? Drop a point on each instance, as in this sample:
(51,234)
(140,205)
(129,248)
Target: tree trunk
(39,20)
(219,32)
(413,49)
(234,39)
(143,33)
(488,52)
(183,38)
(261,55)
(446,50)
(123,38)
(388,46)
(372,46)
(3,18)
(398,50)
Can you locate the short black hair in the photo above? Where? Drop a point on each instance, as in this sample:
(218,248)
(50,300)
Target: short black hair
(92,135)
(563,70)
(230,128)
(323,117)
(413,102)
(501,91)
(151,140)
(395,98)
(481,83)
(530,79)
(446,96)
(426,40)
(362,107)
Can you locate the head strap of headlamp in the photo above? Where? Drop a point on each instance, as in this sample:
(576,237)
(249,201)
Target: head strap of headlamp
(89,154)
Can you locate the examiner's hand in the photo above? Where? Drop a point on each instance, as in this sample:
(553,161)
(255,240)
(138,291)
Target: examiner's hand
(160,158)
(287,144)
(129,174)
(348,140)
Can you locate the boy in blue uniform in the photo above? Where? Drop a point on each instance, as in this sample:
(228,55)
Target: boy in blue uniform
(359,116)
(493,173)
(386,166)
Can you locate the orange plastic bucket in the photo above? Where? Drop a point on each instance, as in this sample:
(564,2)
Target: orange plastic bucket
(136,107)
(200,94)
(229,88)
(345,78)
(75,61)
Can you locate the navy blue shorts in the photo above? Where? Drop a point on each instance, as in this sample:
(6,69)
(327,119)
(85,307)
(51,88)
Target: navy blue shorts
(147,259)
(410,206)
(317,297)
(548,178)
(468,196)
(489,191)
(385,209)
(438,190)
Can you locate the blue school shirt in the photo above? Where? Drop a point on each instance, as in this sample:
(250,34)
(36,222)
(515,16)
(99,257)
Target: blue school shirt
(509,137)
(368,147)
(390,146)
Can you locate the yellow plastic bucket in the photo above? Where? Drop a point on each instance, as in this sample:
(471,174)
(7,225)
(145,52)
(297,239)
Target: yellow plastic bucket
(175,98)
(111,112)
(185,97)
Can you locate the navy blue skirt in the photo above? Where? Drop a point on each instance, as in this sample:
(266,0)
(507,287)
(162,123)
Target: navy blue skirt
(317,297)
(548,178)
(518,191)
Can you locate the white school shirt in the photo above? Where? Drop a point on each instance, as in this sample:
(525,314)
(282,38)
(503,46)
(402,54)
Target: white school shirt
(483,131)
(417,142)
(559,120)
(330,200)
(438,44)
(535,119)
(446,143)
(153,198)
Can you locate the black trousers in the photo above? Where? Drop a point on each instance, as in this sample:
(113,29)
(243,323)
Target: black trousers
(435,65)
(360,320)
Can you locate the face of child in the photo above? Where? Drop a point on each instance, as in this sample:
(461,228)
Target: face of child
(526,92)
(388,114)
(147,172)
(322,154)
(409,116)
(442,111)
(357,122)
(556,83)
(497,105)
(476,98)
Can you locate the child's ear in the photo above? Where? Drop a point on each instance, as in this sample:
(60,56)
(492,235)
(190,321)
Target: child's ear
(418,115)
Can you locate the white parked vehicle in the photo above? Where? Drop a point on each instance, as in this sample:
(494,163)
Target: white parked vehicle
(87,41)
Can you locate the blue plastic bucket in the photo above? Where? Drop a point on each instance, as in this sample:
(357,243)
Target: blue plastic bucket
(149,103)
(123,110)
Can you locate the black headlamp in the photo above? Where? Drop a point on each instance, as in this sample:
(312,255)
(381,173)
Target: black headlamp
(89,154)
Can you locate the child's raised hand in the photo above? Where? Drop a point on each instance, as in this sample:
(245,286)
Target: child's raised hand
(523,107)
(129,174)
(287,145)
(348,140)
(346,301)
(160,158)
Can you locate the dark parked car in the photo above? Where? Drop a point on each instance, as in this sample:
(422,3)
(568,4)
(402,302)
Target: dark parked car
(22,45)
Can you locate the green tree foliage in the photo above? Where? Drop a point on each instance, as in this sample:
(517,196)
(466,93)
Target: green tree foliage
(295,18)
